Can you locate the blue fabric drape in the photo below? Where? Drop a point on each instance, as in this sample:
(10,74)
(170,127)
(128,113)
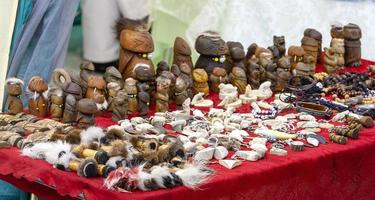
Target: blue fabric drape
(41,45)
(23,12)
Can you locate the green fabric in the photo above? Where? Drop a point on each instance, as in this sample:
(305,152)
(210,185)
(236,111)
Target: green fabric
(171,19)
(9,192)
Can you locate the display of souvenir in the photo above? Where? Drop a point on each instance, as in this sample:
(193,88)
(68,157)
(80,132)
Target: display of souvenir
(180,92)
(235,56)
(143,75)
(86,109)
(120,106)
(95,85)
(169,75)
(143,98)
(136,46)
(338,51)
(311,47)
(307,45)
(296,54)
(38,96)
(112,90)
(283,73)
(218,76)
(187,77)
(161,67)
(238,79)
(330,61)
(14,89)
(87,70)
(200,79)
(182,53)
(162,94)
(130,88)
(112,75)
(352,42)
(278,49)
(212,49)
(254,72)
(56,103)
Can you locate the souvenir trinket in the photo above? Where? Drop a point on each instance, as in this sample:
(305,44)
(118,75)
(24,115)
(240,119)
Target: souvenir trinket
(254,74)
(130,88)
(56,103)
(143,99)
(311,47)
(181,93)
(218,76)
(187,77)
(212,50)
(87,70)
(230,164)
(120,106)
(338,139)
(296,54)
(86,109)
(278,49)
(38,96)
(182,53)
(162,94)
(283,73)
(238,79)
(297,146)
(330,61)
(136,46)
(235,57)
(14,89)
(352,36)
(200,79)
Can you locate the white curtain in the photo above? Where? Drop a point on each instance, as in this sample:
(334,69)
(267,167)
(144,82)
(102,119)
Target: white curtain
(257,21)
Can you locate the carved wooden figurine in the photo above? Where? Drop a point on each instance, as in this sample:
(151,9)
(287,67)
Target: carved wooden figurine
(278,49)
(296,54)
(238,79)
(136,46)
(95,85)
(87,70)
(143,98)
(180,92)
(86,109)
(310,46)
(338,50)
(235,56)
(38,99)
(130,88)
(162,94)
(182,53)
(112,75)
(186,75)
(283,73)
(330,61)
(218,76)
(112,89)
(56,103)
(212,50)
(352,35)
(254,72)
(200,79)
(14,89)
(73,94)
(120,106)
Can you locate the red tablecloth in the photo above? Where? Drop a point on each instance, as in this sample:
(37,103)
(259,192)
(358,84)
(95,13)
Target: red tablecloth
(331,171)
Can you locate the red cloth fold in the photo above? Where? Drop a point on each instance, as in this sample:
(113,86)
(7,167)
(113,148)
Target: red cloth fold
(331,171)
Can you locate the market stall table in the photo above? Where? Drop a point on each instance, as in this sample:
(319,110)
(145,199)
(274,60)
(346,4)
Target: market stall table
(331,171)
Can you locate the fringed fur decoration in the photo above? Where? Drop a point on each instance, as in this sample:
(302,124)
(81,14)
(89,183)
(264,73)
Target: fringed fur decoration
(159,177)
(55,153)
(14,80)
(91,134)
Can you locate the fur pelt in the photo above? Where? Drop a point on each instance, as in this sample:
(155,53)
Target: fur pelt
(55,153)
(91,134)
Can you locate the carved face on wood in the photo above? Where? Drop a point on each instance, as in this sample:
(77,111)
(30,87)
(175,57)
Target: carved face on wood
(279,42)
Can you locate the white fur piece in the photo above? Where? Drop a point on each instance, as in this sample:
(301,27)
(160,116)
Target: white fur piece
(14,80)
(90,134)
(102,106)
(193,175)
(157,173)
(49,151)
(142,178)
(112,161)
